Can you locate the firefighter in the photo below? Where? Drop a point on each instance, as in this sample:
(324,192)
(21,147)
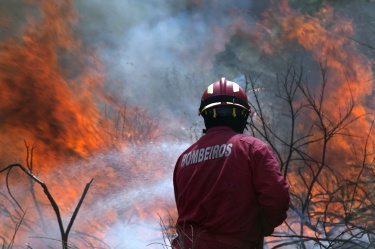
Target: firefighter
(228,187)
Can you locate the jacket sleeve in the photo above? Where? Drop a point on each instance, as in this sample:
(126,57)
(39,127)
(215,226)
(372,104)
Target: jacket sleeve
(175,185)
(271,188)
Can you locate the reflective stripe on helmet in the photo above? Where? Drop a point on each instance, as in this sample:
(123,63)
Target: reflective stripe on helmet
(224,93)
(209,106)
(236,87)
(223,100)
(210,89)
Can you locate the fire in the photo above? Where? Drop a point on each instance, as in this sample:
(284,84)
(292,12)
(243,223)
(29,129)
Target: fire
(46,103)
(326,36)
(348,79)
(52,95)
(42,100)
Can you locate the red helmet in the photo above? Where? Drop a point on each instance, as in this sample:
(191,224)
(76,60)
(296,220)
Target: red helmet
(224,93)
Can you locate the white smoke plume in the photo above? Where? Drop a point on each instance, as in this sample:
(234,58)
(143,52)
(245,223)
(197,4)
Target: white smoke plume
(143,42)
(162,54)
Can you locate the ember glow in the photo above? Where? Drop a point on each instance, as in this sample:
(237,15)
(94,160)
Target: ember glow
(97,101)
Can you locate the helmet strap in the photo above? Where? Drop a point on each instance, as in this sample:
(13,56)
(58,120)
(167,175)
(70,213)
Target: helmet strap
(233,117)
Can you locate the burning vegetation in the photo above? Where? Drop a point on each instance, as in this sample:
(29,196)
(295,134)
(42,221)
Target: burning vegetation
(44,97)
(54,94)
(328,154)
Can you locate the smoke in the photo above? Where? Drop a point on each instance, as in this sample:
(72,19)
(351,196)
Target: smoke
(159,55)
(156,55)
(138,196)
(142,43)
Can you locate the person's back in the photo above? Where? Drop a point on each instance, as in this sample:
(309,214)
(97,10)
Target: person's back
(225,183)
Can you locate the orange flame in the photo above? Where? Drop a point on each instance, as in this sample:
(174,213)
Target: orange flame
(39,103)
(51,90)
(327,37)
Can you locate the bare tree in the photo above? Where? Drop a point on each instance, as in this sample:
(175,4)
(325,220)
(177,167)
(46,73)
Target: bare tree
(331,206)
(64,232)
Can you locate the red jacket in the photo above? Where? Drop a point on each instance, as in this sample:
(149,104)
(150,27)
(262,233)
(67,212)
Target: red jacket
(223,183)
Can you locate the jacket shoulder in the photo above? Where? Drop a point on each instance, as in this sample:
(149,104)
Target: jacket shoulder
(251,141)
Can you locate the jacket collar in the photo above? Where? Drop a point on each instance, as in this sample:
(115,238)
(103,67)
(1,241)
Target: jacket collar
(219,129)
